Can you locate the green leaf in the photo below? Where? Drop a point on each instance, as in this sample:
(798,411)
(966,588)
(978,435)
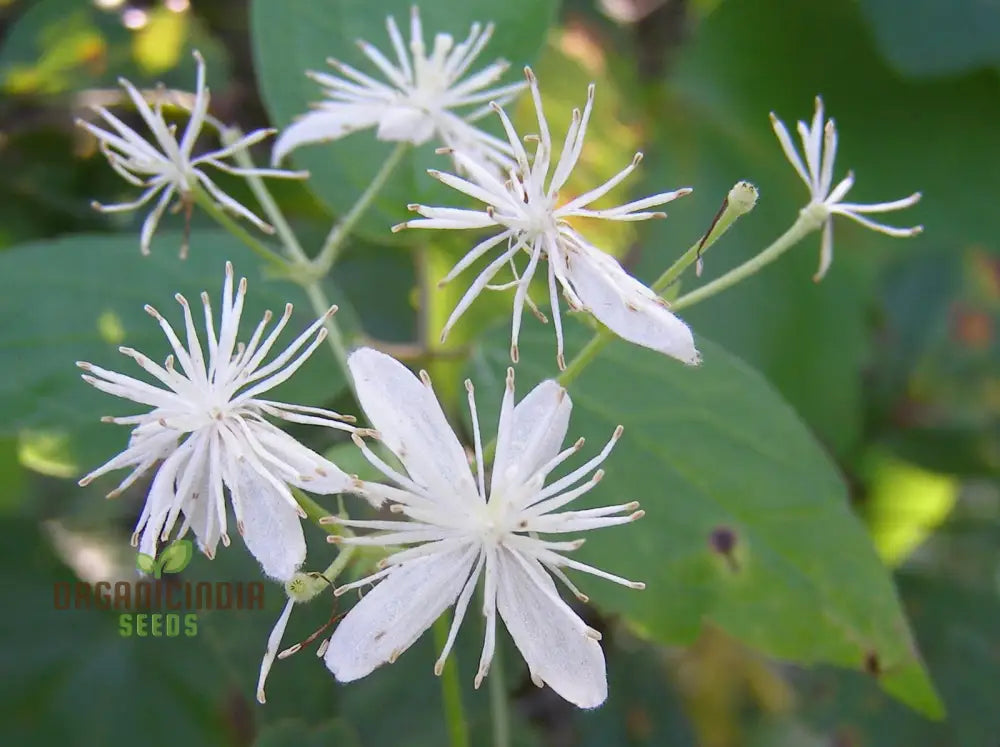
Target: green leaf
(80,297)
(928,37)
(293,36)
(176,556)
(145,563)
(958,628)
(716,455)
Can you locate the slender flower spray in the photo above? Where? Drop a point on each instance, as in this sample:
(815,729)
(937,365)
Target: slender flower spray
(208,430)
(526,208)
(167,167)
(819,145)
(457,532)
(420,100)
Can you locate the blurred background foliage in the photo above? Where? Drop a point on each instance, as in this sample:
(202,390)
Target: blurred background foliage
(890,363)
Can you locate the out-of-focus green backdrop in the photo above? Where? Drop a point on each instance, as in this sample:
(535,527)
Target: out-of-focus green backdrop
(891,362)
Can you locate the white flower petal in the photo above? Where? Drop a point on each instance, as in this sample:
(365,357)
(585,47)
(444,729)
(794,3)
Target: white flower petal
(390,617)
(271,528)
(411,423)
(553,640)
(627,307)
(322,125)
(532,436)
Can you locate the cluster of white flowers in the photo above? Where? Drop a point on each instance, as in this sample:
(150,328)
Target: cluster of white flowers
(208,430)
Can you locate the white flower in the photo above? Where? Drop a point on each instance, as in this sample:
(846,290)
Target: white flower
(819,144)
(531,219)
(207,426)
(460,533)
(419,100)
(164,166)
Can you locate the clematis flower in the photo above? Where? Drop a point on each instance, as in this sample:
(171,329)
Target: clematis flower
(419,101)
(526,207)
(819,144)
(208,431)
(166,167)
(459,533)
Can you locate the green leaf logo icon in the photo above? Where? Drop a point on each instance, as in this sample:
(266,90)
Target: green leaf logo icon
(174,559)
(176,556)
(145,563)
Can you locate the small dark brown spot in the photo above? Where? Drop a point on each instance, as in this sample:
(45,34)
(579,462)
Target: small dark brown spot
(723,540)
(872,664)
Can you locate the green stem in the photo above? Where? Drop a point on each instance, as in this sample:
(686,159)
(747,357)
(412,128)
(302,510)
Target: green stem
(267,202)
(498,700)
(344,557)
(341,230)
(321,304)
(805,224)
(731,210)
(206,203)
(315,512)
(451,690)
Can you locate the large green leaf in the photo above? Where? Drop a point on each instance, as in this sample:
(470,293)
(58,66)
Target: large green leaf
(79,298)
(716,454)
(293,36)
(958,629)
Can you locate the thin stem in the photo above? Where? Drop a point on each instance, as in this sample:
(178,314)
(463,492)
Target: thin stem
(499,710)
(451,689)
(315,512)
(341,230)
(344,557)
(587,354)
(263,195)
(206,203)
(805,224)
(320,304)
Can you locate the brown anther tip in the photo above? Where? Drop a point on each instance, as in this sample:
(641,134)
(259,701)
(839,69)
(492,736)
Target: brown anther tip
(514,354)
(598,476)
(95,205)
(637,515)
(357,439)
(495,106)
(225,540)
(327,520)
(331,311)
(618,431)
(637,158)
(151,311)
(591,633)
(399,227)
(529,73)
(638,585)
(434,172)
(468,386)
(561,361)
(84,365)
(334,539)
(445,151)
